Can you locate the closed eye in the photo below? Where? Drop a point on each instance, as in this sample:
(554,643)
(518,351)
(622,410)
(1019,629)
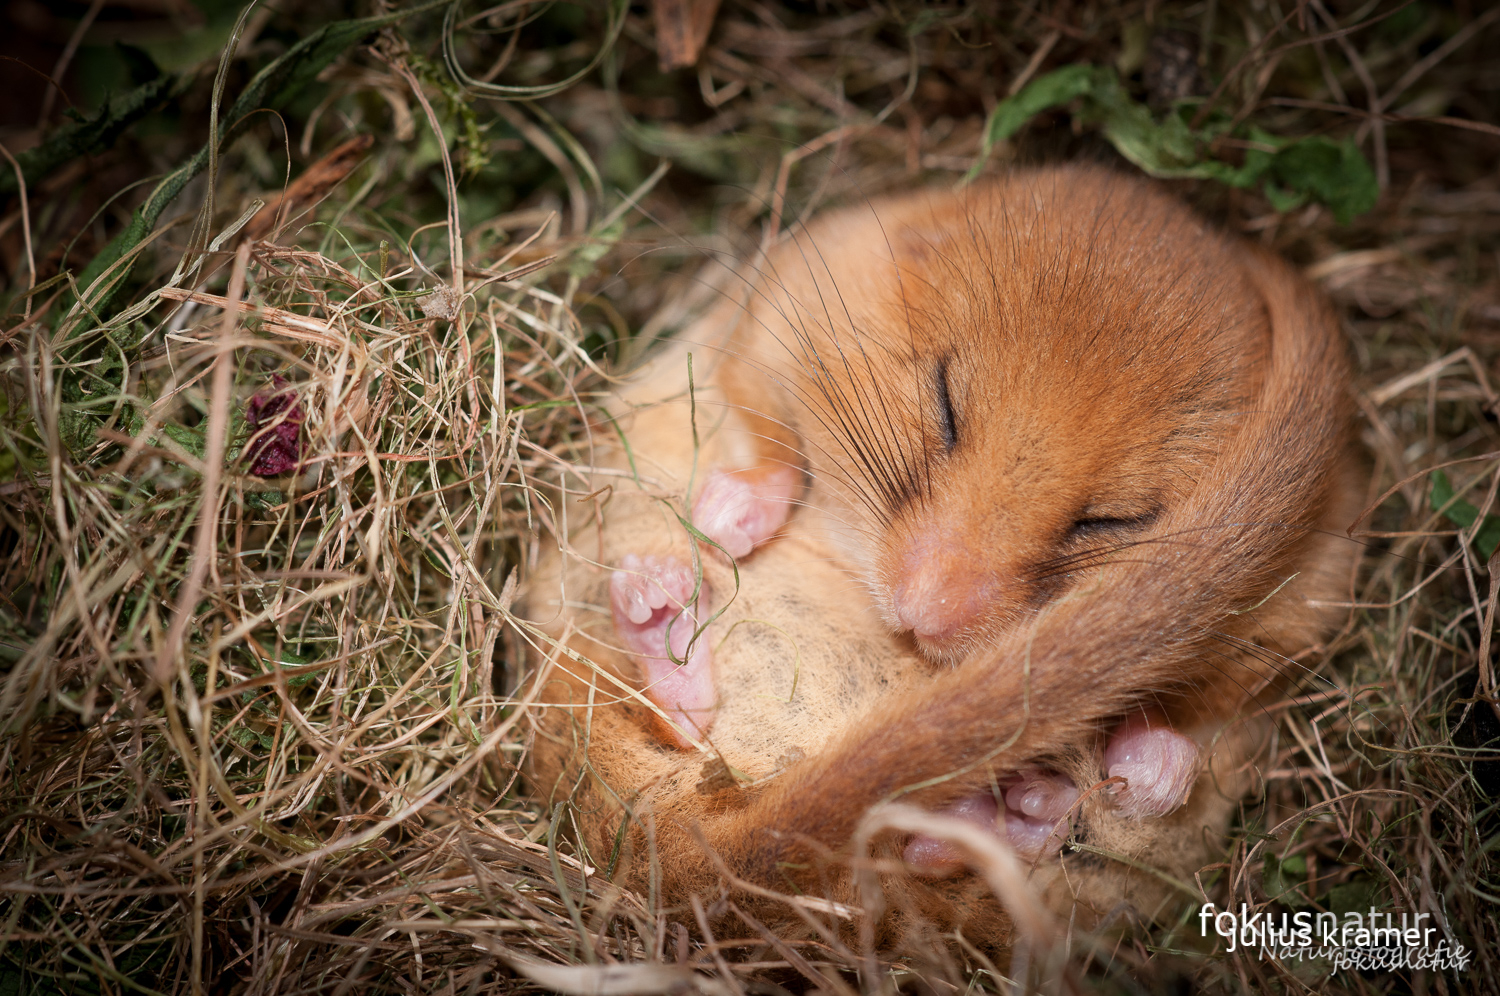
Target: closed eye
(947,421)
(1092,527)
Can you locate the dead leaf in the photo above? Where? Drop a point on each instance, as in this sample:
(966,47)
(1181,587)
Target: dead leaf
(313,185)
(682,26)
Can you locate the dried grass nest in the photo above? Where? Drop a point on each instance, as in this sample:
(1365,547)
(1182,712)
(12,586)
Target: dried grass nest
(270,471)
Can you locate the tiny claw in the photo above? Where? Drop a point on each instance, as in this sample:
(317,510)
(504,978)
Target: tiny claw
(630,601)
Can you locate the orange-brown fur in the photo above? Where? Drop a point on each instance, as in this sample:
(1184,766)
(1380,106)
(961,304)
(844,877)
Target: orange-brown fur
(1111,359)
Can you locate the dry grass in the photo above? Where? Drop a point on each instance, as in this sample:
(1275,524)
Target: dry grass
(265,735)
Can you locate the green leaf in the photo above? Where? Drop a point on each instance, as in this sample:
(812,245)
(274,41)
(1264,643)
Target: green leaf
(1463,515)
(77,428)
(1335,173)
(189,438)
(244,737)
(1283,200)
(262,500)
(1165,149)
(1282,879)
(1042,94)
(78,138)
(287,659)
(587,255)
(1355,896)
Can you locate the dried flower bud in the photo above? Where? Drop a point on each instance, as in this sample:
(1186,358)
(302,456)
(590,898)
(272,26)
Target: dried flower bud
(275,422)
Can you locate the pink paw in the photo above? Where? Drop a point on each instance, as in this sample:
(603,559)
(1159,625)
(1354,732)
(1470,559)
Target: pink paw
(649,596)
(931,856)
(1158,763)
(741,509)
(1036,813)
(1035,822)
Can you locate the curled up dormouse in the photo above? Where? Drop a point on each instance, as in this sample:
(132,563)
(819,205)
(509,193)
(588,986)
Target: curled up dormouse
(1022,501)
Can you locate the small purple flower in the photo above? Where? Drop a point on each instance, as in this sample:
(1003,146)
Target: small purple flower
(275,423)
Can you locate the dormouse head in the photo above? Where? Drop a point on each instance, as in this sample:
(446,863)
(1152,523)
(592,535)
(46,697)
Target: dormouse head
(1000,391)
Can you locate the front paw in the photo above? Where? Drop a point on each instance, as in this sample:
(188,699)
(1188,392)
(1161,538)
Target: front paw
(656,615)
(741,509)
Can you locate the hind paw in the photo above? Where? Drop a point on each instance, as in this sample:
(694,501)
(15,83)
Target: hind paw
(656,617)
(938,858)
(1036,812)
(1158,764)
(741,509)
(1035,822)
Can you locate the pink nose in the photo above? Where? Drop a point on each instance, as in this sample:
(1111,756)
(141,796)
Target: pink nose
(939,593)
